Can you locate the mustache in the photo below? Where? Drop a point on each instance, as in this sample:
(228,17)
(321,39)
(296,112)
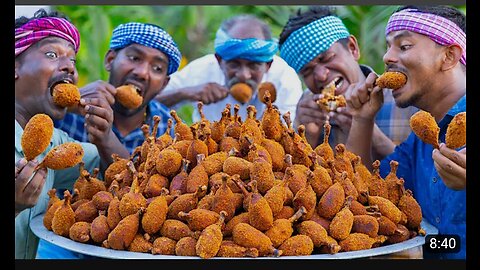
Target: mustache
(236,80)
(65,77)
(134,79)
(394,67)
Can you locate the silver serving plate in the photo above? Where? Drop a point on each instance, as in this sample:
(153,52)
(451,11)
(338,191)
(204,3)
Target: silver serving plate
(39,230)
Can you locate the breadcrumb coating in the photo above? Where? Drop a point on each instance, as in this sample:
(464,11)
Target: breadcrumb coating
(425,127)
(391,80)
(36,135)
(128,96)
(64,156)
(263,88)
(242,92)
(457,131)
(66,94)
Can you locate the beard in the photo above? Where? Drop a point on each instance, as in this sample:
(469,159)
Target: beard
(117,107)
(411,101)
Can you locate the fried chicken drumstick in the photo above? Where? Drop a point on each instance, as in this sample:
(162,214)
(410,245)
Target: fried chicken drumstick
(128,96)
(425,127)
(66,94)
(391,80)
(330,102)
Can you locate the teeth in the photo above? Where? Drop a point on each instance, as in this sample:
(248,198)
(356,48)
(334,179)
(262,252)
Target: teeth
(340,84)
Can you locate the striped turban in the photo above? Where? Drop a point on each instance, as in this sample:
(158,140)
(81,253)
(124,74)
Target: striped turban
(38,29)
(252,49)
(439,29)
(307,42)
(149,35)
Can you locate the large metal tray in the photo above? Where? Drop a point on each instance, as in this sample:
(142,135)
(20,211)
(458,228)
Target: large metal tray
(39,229)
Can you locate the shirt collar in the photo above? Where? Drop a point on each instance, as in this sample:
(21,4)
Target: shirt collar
(460,106)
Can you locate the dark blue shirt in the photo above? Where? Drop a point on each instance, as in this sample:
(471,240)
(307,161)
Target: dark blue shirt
(73,125)
(442,207)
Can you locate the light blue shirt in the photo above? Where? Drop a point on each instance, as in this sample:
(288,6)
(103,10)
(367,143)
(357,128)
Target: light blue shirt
(25,241)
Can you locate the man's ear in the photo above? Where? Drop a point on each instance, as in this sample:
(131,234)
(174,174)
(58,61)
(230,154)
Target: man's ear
(219,59)
(107,61)
(453,54)
(353,47)
(269,64)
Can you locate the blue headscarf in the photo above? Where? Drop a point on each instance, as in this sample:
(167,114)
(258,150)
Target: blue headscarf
(304,44)
(149,35)
(251,49)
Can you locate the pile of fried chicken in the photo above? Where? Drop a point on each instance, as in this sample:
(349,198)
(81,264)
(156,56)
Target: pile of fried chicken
(236,188)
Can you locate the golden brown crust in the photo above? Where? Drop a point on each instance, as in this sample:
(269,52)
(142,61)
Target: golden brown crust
(330,101)
(425,127)
(242,92)
(66,95)
(457,131)
(391,80)
(263,88)
(128,96)
(64,156)
(36,135)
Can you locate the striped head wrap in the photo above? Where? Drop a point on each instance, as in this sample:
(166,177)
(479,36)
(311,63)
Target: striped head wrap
(252,49)
(149,35)
(306,43)
(38,29)
(439,29)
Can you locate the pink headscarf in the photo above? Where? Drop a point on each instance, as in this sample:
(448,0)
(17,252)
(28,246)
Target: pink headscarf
(439,29)
(38,29)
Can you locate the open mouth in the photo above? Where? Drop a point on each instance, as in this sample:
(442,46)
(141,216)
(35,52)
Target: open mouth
(338,82)
(136,87)
(57,83)
(333,85)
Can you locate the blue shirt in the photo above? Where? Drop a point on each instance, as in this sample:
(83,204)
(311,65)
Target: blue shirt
(73,124)
(442,207)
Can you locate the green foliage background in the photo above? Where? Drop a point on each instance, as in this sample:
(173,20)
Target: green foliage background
(194,27)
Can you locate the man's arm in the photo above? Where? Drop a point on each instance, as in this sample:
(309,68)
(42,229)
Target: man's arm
(364,100)
(359,140)
(172,98)
(98,124)
(207,93)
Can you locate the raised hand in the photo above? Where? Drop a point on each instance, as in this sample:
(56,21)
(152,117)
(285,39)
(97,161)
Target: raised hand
(364,99)
(208,92)
(451,165)
(28,184)
(98,119)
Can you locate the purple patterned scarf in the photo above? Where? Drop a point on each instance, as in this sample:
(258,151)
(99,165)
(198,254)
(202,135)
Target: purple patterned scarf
(38,29)
(439,29)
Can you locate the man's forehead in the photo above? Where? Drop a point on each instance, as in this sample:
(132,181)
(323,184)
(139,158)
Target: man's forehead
(139,48)
(400,34)
(243,61)
(54,40)
(246,29)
